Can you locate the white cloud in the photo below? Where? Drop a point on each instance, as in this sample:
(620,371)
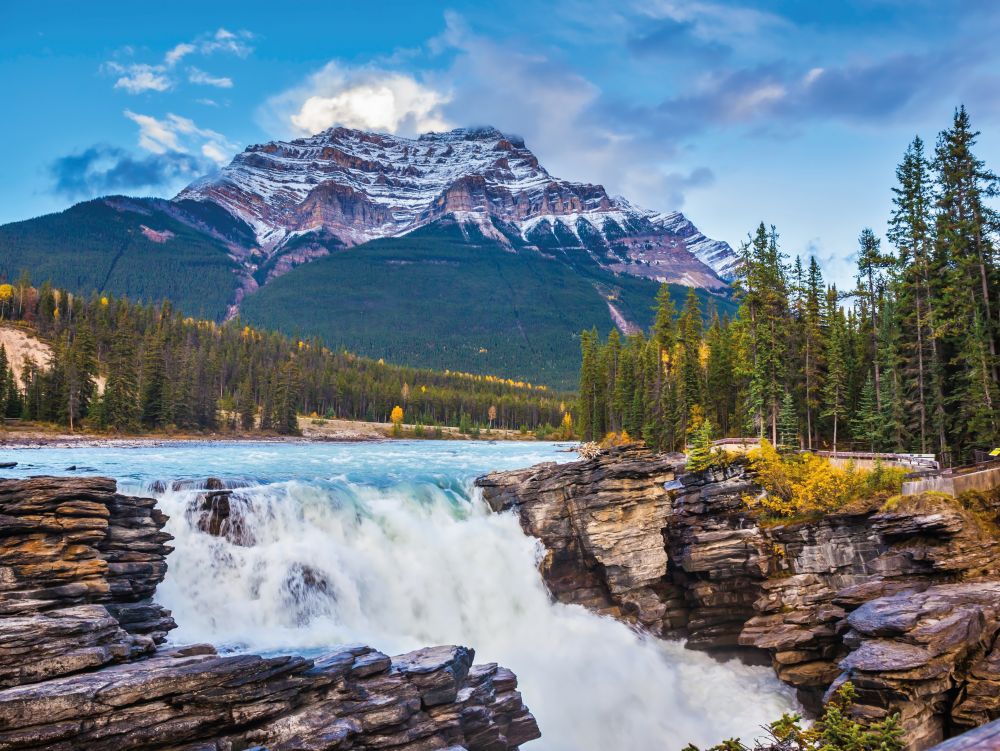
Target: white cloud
(180,51)
(227,41)
(196,75)
(366,98)
(136,78)
(180,135)
(139,77)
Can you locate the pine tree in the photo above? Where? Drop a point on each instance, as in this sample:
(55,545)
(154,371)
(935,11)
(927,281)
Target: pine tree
(286,400)
(866,422)
(154,386)
(812,345)
(765,311)
(964,248)
(788,424)
(246,405)
(699,455)
(835,385)
(871,281)
(911,231)
(121,409)
(588,405)
(689,386)
(719,376)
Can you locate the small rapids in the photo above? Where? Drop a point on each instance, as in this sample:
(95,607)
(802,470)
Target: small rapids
(413,564)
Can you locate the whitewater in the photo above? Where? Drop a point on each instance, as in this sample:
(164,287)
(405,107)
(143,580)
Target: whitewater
(389,544)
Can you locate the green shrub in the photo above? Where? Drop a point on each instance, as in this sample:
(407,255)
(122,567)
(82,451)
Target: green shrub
(835,730)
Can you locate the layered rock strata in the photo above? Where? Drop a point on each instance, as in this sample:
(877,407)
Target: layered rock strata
(82,666)
(903,601)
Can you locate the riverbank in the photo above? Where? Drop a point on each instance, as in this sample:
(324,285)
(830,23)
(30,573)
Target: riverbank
(15,434)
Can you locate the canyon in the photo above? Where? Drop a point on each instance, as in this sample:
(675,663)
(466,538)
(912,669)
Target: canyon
(83,662)
(902,599)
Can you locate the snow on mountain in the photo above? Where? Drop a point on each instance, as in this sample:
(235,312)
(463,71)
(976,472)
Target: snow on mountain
(358,186)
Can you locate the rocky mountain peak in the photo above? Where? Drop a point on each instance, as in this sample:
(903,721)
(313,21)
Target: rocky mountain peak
(355,186)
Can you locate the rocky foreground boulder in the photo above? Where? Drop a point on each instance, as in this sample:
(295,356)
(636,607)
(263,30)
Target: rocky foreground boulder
(902,601)
(83,662)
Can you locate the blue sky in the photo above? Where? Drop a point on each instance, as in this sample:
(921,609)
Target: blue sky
(790,112)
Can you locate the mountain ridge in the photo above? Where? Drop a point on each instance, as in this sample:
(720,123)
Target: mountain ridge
(359,186)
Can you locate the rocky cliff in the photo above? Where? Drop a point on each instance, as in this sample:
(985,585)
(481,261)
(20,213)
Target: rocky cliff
(82,663)
(903,601)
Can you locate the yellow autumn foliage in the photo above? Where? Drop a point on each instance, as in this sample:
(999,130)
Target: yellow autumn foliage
(616,439)
(6,291)
(797,484)
(396,418)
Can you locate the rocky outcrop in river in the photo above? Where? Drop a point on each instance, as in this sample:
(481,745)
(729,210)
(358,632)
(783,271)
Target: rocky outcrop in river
(902,601)
(82,661)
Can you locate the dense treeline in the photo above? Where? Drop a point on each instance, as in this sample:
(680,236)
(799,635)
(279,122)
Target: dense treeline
(904,361)
(163,370)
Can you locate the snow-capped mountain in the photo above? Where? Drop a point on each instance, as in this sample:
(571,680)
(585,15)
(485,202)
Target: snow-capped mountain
(349,187)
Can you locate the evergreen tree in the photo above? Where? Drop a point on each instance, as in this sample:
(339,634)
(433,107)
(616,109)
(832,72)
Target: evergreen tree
(155,411)
(121,410)
(719,376)
(700,456)
(588,405)
(246,405)
(812,345)
(918,275)
(788,424)
(689,388)
(871,281)
(836,382)
(765,311)
(866,423)
(964,245)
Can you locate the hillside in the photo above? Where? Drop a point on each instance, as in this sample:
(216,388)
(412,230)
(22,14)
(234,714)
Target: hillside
(135,247)
(517,314)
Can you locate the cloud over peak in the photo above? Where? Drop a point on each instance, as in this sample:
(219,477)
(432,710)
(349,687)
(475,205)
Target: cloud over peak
(368,98)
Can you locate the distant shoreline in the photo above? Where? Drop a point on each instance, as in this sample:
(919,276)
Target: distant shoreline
(30,436)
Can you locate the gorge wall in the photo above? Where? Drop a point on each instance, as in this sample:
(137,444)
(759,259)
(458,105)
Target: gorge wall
(83,662)
(902,600)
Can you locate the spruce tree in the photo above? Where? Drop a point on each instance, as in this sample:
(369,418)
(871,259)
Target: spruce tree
(871,282)
(689,386)
(788,424)
(121,410)
(917,283)
(867,418)
(154,382)
(836,382)
(814,321)
(246,406)
(588,400)
(699,455)
(964,245)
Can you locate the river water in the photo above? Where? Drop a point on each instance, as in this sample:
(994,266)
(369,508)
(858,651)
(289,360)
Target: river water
(390,545)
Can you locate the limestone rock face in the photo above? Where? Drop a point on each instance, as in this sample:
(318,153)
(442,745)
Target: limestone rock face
(601,522)
(904,601)
(80,665)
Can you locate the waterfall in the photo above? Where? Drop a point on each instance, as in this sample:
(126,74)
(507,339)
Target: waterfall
(407,564)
